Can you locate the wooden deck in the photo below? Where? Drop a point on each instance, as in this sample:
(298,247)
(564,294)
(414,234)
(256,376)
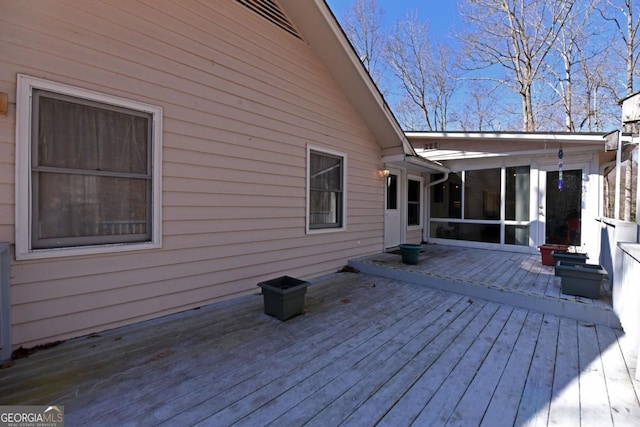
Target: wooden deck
(517,279)
(368,350)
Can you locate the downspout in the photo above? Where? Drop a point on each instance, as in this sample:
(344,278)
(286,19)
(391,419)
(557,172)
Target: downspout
(440,181)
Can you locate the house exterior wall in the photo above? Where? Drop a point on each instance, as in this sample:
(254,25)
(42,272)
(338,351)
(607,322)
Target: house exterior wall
(242,100)
(414,235)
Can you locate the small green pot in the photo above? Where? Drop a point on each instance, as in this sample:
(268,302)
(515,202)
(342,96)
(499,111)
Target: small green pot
(410,252)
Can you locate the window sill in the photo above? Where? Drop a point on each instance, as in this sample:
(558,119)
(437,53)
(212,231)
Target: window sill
(325,230)
(85,250)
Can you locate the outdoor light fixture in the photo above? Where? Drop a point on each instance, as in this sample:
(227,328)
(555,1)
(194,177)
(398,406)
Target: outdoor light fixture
(383,173)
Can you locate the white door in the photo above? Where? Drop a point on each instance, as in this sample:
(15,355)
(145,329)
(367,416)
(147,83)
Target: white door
(392,212)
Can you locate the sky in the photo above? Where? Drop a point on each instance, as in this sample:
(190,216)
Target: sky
(444,21)
(442,15)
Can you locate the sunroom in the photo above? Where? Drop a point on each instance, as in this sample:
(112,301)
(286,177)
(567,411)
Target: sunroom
(513,191)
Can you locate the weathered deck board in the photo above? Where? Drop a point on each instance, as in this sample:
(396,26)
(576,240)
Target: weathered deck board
(348,368)
(368,350)
(243,378)
(383,376)
(302,381)
(536,396)
(565,403)
(594,405)
(407,409)
(381,391)
(477,397)
(624,402)
(503,408)
(440,407)
(630,355)
(375,365)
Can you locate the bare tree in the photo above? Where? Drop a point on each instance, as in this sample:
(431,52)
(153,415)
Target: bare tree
(363,26)
(426,72)
(621,13)
(481,108)
(598,107)
(568,64)
(516,35)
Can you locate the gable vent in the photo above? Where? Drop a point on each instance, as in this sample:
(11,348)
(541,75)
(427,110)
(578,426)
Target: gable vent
(270,11)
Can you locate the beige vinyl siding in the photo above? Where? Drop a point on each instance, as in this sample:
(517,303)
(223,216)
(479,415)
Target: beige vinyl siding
(7,180)
(414,235)
(242,99)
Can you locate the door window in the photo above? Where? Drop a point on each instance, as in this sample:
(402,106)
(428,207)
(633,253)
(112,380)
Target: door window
(563,217)
(392,191)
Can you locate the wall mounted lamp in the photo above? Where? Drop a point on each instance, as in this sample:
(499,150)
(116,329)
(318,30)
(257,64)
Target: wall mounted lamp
(383,173)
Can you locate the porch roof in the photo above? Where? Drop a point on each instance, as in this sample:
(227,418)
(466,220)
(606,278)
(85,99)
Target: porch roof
(442,146)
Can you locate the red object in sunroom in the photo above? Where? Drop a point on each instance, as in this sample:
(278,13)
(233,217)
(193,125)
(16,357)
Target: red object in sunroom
(547,249)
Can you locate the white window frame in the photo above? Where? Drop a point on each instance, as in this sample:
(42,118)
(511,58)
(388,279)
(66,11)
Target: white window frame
(329,152)
(421,201)
(25,86)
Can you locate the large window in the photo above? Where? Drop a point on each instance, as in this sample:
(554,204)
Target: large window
(517,208)
(446,197)
(517,193)
(88,169)
(482,194)
(326,190)
(487,205)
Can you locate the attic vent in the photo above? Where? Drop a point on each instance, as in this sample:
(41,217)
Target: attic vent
(430,146)
(270,10)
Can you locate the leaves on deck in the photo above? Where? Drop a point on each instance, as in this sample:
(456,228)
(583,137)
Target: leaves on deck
(22,352)
(8,364)
(348,269)
(161,355)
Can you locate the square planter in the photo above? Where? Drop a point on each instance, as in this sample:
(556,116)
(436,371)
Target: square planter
(568,258)
(581,279)
(410,252)
(284,296)
(547,248)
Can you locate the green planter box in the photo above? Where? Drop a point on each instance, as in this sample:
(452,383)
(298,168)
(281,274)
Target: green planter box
(284,296)
(569,258)
(581,279)
(410,252)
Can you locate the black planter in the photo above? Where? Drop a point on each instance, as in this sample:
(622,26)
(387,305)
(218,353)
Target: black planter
(284,296)
(568,258)
(581,279)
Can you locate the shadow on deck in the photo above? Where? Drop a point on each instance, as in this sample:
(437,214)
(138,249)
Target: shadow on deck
(517,279)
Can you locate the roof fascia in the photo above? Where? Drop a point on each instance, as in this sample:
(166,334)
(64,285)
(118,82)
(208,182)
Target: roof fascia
(320,29)
(584,138)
